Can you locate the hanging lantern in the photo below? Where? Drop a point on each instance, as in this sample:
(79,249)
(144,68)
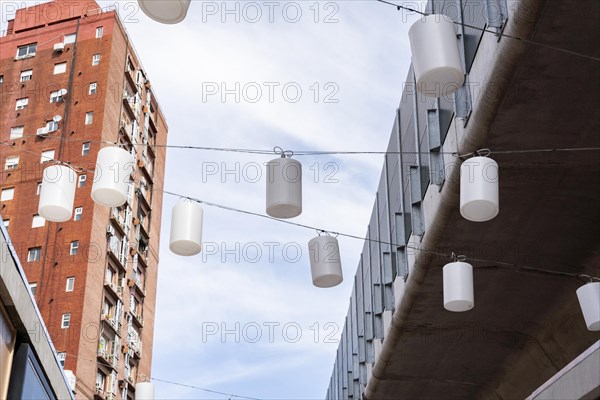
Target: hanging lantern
(284,187)
(458,286)
(165,11)
(144,391)
(479,189)
(112,176)
(186,229)
(325,263)
(57,194)
(435,56)
(589,301)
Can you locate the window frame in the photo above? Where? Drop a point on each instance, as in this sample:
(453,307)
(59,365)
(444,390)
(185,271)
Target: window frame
(7,194)
(99,32)
(39,217)
(21,103)
(77,216)
(80,179)
(13,165)
(28,76)
(89,118)
(28,52)
(93,88)
(96,58)
(85,148)
(74,248)
(65,321)
(34,254)
(19,132)
(60,64)
(70,284)
(45,154)
(69,35)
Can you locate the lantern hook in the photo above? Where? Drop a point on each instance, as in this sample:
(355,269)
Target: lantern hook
(483,152)
(591,278)
(458,258)
(284,153)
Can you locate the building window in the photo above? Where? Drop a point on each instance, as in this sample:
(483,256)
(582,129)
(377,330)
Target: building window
(52,126)
(26,75)
(93,88)
(85,149)
(56,96)
(6,223)
(66,321)
(34,254)
(33,288)
(22,103)
(39,188)
(38,221)
(60,68)
(74,247)
(70,284)
(95,59)
(99,32)
(1,79)
(26,51)
(70,38)
(47,156)
(82,180)
(61,358)
(11,163)
(16,132)
(7,194)
(78,214)
(89,118)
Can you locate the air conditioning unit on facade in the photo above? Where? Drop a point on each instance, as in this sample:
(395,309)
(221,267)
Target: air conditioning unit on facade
(42,132)
(59,47)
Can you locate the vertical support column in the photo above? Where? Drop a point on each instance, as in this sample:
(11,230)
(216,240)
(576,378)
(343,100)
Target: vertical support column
(436,161)
(462,97)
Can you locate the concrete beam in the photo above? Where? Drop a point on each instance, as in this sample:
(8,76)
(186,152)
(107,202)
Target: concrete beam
(578,380)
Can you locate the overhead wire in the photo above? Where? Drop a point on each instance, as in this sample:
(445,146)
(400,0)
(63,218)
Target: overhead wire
(500,34)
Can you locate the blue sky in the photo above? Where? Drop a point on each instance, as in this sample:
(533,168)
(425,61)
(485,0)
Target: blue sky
(349,59)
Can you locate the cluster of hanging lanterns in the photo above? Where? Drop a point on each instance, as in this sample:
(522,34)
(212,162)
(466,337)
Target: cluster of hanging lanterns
(438,72)
(112,176)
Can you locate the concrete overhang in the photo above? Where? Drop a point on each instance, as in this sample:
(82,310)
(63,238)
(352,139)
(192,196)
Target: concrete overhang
(526,325)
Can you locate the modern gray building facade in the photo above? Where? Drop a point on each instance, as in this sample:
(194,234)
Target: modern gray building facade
(533,103)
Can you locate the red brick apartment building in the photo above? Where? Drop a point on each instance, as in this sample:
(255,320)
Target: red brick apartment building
(70,80)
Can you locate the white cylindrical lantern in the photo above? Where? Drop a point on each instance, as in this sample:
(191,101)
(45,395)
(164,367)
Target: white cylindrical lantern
(57,194)
(435,56)
(284,188)
(144,391)
(479,189)
(112,176)
(165,11)
(589,300)
(458,286)
(325,263)
(186,229)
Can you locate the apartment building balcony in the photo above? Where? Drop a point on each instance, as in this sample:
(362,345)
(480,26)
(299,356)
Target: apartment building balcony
(129,105)
(135,284)
(111,321)
(138,319)
(114,288)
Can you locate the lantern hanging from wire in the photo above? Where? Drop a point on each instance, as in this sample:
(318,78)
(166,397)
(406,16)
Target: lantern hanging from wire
(479,193)
(435,56)
(112,176)
(186,228)
(458,285)
(325,261)
(165,11)
(57,194)
(589,301)
(284,186)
